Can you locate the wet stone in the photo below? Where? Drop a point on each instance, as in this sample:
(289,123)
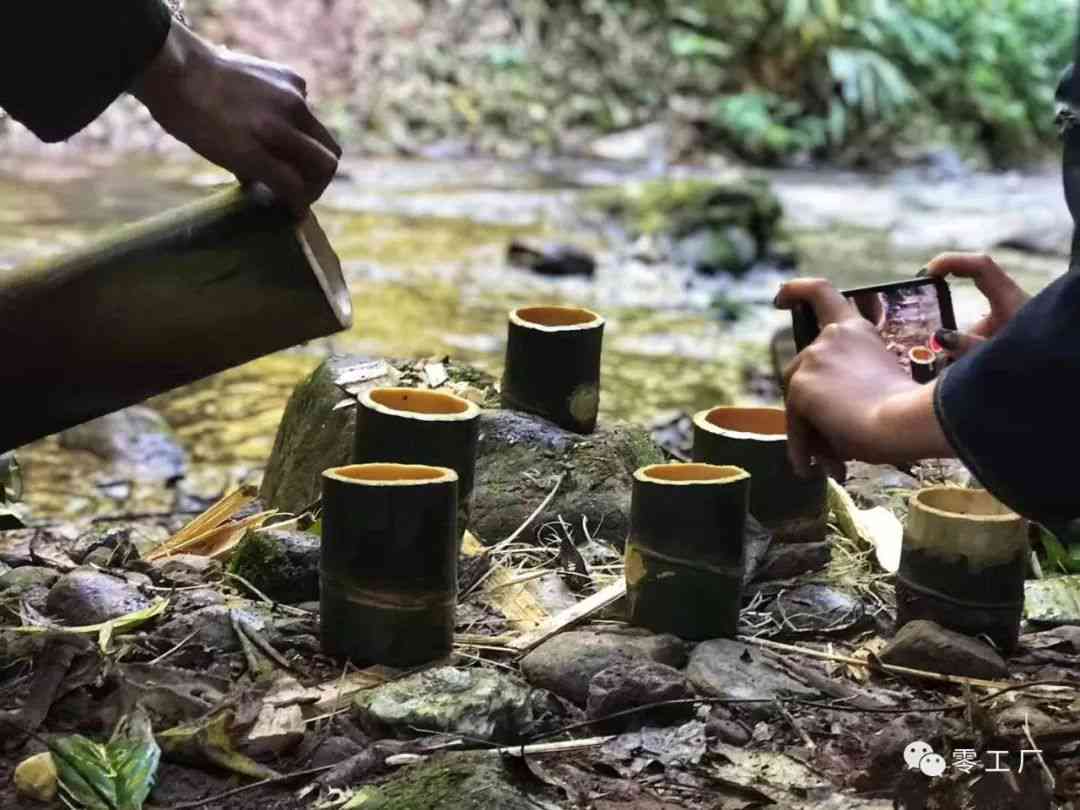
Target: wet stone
(723,727)
(567,663)
(87,596)
(137,440)
(730,669)
(928,646)
(479,703)
(282,564)
(211,625)
(185,570)
(790,560)
(29,584)
(810,609)
(630,683)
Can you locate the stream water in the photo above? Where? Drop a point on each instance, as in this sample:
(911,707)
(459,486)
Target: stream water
(423,246)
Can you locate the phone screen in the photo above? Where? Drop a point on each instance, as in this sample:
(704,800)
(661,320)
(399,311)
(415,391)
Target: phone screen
(906,316)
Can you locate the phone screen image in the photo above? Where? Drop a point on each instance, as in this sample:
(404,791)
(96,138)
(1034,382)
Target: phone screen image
(906,316)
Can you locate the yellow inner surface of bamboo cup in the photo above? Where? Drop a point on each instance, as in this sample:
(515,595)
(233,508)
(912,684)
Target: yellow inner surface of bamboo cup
(391,474)
(690,474)
(964,503)
(755,421)
(419,403)
(555,318)
(920,354)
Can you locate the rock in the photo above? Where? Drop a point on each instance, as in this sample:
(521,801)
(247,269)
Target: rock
(478,703)
(190,601)
(879,485)
(86,596)
(333,750)
(455,782)
(725,226)
(282,564)
(36,778)
(789,560)
(730,669)
(211,625)
(757,542)
(598,474)
(885,748)
(815,609)
(136,439)
(629,683)
(277,730)
(567,663)
(640,144)
(1053,601)
(29,584)
(550,259)
(186,570)
(928,646)
(725,728)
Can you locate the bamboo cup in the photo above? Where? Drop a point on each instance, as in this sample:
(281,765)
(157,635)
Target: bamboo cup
(793,508)
(389,563)
(685,556)
(963,564)
(159,304)
(414,426)
(923,364)
(553,365)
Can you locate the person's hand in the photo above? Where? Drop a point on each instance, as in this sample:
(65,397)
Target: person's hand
(847,396)
(244,114)
(1003,294)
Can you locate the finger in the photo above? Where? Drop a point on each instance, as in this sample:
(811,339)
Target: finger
(828,304)
(991,280)
(307,156)
(957,343)
(281,178)
(305,119)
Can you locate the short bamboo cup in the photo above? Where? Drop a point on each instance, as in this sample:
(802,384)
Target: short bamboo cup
(685,556)
(553,365)
(963,564)
(793,508)
(389,563)
(416,426)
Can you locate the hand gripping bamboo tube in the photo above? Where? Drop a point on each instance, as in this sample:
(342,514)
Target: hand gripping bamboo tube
(553,365)
(159,304)
(389,563)
(793,508)
(963,564)
(685,556)
(414,426)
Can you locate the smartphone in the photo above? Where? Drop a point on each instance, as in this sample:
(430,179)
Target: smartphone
(905,313)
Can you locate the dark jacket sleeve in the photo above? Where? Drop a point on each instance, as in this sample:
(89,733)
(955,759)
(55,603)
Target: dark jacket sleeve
(63,63)
(1011,408)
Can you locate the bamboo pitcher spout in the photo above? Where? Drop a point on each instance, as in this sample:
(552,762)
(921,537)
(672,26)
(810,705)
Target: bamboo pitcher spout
(160,304)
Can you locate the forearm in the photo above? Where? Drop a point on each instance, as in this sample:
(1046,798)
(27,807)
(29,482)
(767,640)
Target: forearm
(909,426)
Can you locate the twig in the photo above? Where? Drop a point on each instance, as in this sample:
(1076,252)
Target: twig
(274,780)
(795,725)
(295,611)
(579,612)
(171,650)
(1038,752)
(529,519)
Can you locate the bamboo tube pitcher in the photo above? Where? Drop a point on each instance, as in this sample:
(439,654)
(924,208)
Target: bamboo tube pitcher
(553,365)
(388,567)
(414,426)
(685,556)
(793,508)
(159,304)
(963,564)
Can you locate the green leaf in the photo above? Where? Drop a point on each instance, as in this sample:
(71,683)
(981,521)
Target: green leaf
(116,776)
(1057,557)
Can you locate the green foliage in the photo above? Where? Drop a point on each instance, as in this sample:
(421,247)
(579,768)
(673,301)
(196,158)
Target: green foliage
(115,776)
(1060,558)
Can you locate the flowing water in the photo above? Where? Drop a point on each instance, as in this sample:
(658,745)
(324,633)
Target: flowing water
(423,246)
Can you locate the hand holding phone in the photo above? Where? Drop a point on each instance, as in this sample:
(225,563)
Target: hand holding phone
(905,313)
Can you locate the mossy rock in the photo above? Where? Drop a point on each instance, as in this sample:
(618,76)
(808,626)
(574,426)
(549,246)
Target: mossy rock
(455,782)
(713,226)
(282,564)
(520,457)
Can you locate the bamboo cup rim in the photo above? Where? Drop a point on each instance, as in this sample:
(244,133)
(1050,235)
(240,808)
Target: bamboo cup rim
(976,505)
(690,474)
(555,318)
(419,403)
(326,268)
(757,424)
(385,474)
(921,354)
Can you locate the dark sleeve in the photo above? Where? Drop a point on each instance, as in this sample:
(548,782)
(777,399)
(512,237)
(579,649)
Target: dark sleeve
(63,63)
(1011,408)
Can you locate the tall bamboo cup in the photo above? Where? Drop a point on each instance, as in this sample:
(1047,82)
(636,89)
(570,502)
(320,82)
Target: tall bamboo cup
(553,365)
(389,563)
(793,508)
(685,556)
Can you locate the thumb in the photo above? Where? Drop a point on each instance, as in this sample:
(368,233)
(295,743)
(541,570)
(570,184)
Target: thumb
(957,343)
